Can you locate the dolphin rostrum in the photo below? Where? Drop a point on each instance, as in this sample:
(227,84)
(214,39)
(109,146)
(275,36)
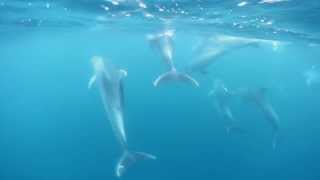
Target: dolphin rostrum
(109,81)
(259,99)
(163,42)
(222,96)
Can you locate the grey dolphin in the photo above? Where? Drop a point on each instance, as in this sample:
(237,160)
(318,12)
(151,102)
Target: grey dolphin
(219,45)
(163,43)
(222,96)
(109,81)
(258,97)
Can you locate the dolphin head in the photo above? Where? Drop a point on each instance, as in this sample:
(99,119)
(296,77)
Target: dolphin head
(219,86)
(98,64)
(169,33)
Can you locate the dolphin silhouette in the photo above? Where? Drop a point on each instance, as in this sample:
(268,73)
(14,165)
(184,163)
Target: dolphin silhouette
(222,96)
(258,97)
(312,76)
(163,42)
(218,46)
(110,84)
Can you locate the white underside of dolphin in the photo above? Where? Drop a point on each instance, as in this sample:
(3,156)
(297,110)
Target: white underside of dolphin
(109,82)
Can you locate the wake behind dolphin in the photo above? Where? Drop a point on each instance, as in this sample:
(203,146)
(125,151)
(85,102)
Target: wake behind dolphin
(110,84)
(163,43)
(259,99)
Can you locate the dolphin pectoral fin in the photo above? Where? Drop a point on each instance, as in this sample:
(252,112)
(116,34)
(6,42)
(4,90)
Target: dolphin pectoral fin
(161,78)
(123,73)
(92,81)
(129,158)
(187,78)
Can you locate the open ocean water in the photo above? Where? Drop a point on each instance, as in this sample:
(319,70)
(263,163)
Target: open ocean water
(241,100)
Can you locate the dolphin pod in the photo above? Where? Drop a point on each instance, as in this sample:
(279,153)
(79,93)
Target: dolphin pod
(109,81)
(163,43)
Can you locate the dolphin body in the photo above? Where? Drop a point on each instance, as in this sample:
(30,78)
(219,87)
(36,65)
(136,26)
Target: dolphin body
(222,96)
(259,99)
(312,76)
(109,81)
(163,43)
(217,46)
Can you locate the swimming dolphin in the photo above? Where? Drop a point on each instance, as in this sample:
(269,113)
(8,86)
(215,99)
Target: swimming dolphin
(312,76)
(259,99)
(217,46)
(110,83)
(222,96)
(163,42)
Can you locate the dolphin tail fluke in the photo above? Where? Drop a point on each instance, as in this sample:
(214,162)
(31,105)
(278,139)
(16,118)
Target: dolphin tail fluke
(175,76)
(163,77)
(187,78)
(92,81)
(130,158)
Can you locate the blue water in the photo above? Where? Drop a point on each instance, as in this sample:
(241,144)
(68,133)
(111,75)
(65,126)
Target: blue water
(53,127)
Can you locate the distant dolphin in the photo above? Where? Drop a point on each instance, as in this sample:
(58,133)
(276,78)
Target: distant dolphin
(217,46)
(312,76)
(163,42)
(259,99)
(109,81)
(222,96)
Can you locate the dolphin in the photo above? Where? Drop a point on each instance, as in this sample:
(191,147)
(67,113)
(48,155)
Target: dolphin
(219,45)
(109,81)
(222,96)
(312,76)
(163,42)
(258,97)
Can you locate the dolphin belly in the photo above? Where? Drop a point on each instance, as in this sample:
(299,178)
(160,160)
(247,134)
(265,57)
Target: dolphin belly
(112,102)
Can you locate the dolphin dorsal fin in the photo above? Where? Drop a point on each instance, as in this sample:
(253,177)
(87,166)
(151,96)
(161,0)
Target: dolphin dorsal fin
(92,81)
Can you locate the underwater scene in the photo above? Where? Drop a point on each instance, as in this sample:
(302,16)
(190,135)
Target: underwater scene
(159,89)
